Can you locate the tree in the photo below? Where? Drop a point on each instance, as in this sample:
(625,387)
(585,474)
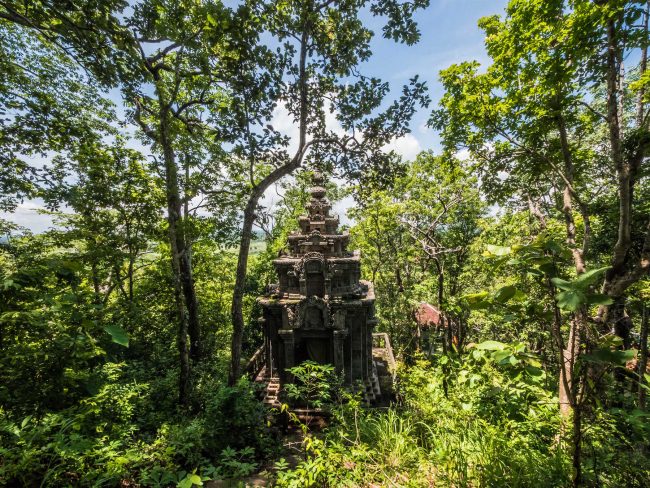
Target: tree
(441,211)
(47,105)
(116,213)
(530,119)
(172,63)
(319,46)
(415,238)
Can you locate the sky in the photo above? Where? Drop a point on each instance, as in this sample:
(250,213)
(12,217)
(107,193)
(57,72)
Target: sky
(449,34)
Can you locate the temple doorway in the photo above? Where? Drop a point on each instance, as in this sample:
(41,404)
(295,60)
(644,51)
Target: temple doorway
(316,349)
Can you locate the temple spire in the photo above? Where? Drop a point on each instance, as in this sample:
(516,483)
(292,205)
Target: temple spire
(319,228)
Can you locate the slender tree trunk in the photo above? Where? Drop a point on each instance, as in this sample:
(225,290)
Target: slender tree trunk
(249,213)
(570,353)
(625,180)
(236,311)
(96,284)
(643,65)
(449,336)
(189,288)
(569,384)
(445,350)
(177,231)
(178,250)
(238,293)
(566,375)
(131,271)
(643,357)
(567,198)
(184,376)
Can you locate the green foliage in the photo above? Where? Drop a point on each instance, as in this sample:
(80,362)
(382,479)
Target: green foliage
(575,294)
(315,384)
(91,336)
(415,238)
(494,426)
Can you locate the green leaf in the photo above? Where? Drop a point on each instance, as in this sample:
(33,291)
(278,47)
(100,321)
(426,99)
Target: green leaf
(476,301)
(118,334)
(190,480)
(492,250)
(609,341)
(553,246)
(590,276)
(504,294)
(607,356)
(534,371)
(491,346)
(547,268)
(184,483)
(502,357)
(570,300)
(562,284)
(530,359)
(534,272)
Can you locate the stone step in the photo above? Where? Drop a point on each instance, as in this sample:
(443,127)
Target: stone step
(271,392)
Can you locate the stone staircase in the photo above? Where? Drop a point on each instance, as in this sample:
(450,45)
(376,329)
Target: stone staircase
(272,392)
(384,363)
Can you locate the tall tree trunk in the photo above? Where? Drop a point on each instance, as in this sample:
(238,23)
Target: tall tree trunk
(189,288)
(643,356)
(643,65)
(576,453)
(96,283)
(570,352)
(177,229)
(191,300)
(565,358)
(238,292)
(181,340)
(625,180)
(178,249)
(249,212)
(236,312)
(569,384)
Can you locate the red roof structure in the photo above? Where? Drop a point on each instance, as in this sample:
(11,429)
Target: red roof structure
(427,315)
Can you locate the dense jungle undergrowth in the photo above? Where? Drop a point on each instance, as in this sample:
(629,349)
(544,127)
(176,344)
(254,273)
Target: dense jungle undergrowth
(169,145)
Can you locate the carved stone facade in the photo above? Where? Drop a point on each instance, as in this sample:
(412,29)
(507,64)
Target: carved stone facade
(320,310)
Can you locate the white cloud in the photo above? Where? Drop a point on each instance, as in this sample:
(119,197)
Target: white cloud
(341,208)
(332,124)
(407,146)
(463,154)
(283,122)
(29,215)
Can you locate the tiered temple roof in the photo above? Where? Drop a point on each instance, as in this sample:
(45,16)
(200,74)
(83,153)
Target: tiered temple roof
(318,229)
(319,239)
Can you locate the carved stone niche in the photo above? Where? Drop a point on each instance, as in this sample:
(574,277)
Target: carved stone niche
(312,314)
(289,321)
(313,275)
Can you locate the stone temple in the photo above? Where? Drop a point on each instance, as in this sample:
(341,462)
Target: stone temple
(320,310)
